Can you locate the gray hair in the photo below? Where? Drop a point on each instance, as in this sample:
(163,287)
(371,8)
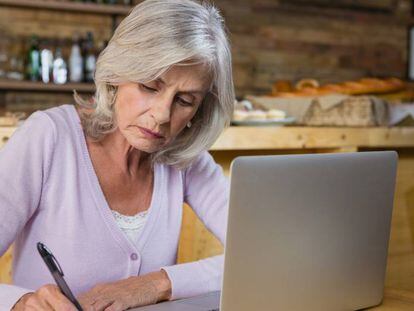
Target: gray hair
(155,36)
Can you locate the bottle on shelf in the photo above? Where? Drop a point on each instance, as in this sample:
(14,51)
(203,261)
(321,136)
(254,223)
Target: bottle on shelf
(33,60)
(60,72)
(46,62)
(75,62)
(17,59)
(90,58)
(4,54)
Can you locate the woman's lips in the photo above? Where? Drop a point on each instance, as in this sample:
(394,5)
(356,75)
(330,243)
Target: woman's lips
(150,134)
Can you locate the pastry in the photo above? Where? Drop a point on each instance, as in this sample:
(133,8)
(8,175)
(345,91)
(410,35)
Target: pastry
(240,115)
(307,83)
(281,86)
(275,114)
(256,115)
(311,88)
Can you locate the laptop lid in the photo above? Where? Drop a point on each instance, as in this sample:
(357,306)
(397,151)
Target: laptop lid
(308,232)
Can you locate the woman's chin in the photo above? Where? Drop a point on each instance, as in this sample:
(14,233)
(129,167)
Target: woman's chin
(145,146)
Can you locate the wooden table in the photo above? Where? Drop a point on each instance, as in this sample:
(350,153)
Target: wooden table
(198,243)
(236,141)
(284,138)
(396,300)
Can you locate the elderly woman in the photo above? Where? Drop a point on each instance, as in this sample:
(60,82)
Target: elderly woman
(103,186)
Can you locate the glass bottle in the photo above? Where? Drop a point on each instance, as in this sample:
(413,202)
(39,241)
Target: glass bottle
(33,60)
(90,58)
(4,54)
(46,62)
(60,72)
(17,60)
(75,62)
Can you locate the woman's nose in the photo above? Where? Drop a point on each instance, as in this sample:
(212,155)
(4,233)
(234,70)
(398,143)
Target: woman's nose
(162,110)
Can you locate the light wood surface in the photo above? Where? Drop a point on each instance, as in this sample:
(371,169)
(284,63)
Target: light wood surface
(396,300)
(289,137)
(249,138)
(196,242)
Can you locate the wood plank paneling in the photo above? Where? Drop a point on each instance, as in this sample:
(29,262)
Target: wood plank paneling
(331,41)
(294,44)
(196,242)
(51,24)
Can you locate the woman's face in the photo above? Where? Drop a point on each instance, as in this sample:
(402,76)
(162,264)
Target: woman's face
(152,114)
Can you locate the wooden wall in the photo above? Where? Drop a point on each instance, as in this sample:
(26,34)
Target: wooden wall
(331,41)
(271,40)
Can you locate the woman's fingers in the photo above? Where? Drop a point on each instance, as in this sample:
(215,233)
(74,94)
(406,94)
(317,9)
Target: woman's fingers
(128,293)
(33,302)
(46,298)
(101,304)
(54,297)
(99,298)
(116,306)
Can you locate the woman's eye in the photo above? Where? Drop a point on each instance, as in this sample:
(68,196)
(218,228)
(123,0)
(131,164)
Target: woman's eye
(184,102)
(147,88)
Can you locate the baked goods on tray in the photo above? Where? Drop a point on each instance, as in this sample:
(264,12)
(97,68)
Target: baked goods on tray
(245,111)
(255,115)
(311,87)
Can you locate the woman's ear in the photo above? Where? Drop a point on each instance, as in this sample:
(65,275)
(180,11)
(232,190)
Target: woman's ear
(113,90)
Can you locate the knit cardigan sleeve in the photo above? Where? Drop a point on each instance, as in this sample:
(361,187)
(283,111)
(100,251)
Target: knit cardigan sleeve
(24,165)
(206,191)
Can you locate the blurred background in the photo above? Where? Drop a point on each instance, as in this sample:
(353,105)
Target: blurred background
(56,42)
(337,75)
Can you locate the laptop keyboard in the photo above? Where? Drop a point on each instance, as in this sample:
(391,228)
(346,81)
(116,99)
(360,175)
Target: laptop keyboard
(207,302)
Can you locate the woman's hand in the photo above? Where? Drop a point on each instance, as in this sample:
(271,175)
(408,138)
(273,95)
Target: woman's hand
(129,293)
(47,297)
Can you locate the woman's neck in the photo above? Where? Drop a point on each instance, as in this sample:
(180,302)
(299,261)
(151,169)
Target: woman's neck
(116,149)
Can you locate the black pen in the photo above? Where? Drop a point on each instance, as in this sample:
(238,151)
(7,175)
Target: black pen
(57,273)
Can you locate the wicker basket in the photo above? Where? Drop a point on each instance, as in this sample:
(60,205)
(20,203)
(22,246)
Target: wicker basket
(359,111)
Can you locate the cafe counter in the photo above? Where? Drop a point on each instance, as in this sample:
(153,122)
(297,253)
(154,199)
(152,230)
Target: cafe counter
(197,242)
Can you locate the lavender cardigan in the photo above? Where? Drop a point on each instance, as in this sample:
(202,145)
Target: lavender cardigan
(49,192)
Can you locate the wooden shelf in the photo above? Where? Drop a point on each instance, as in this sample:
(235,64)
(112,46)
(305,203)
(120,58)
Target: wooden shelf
(371,12)
(11,85)
(69,6)
(294,137)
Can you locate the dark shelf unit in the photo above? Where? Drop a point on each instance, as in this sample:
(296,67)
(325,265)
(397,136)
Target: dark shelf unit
(75,7)
(28,86)
(92,8)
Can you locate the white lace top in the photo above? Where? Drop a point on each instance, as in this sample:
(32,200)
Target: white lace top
(131,225)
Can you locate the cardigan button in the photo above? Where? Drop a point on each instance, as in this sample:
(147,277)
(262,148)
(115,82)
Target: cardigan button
(134,256)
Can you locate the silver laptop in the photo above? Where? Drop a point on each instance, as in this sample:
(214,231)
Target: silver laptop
(305,232)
